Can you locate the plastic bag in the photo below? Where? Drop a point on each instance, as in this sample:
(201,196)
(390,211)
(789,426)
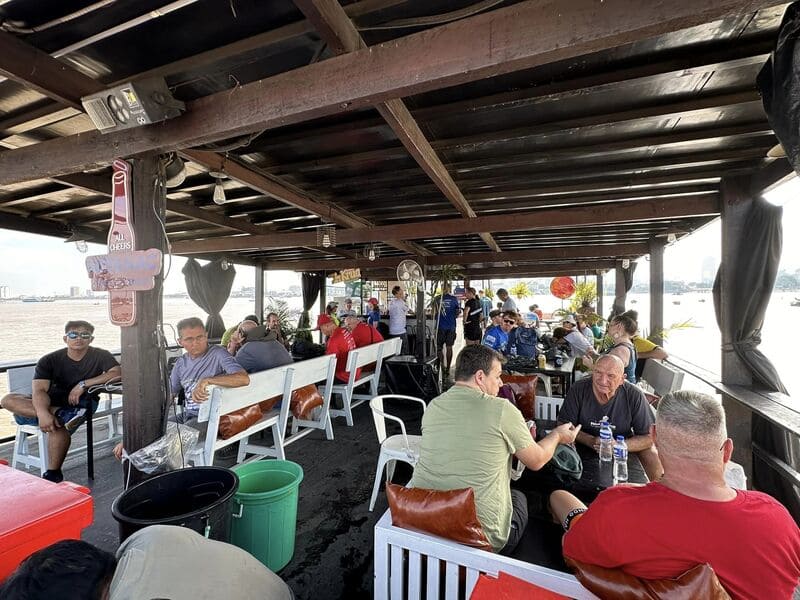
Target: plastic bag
(167,453)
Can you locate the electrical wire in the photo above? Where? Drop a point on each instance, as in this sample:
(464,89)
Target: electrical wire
(440,19)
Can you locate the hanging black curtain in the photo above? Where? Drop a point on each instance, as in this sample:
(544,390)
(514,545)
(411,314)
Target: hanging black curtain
(620,296)
(754,269)
(210,286)
(780,86)
(311,284)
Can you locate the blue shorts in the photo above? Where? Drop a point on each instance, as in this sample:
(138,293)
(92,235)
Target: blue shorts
(83,402)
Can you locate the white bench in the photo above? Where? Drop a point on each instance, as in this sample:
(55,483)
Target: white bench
(399,571)
(280,381)
(20,381)
(356,359)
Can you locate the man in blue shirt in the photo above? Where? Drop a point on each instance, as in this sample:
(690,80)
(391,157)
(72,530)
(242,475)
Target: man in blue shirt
(496,336)
(446,306)
(486,305)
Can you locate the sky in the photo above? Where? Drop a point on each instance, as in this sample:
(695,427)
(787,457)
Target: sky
(45,266)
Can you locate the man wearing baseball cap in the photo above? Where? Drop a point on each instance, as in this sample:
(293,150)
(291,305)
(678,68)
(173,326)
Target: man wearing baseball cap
(373,314)
(577,341)
(340,342)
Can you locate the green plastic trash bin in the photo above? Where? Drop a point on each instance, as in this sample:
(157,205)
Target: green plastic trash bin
(265,510)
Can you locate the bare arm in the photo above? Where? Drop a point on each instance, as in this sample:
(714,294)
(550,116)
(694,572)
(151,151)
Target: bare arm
(638,443)
(77,391)
(238,379)
(658,353)
(622,353)
(538,454)
(40,397)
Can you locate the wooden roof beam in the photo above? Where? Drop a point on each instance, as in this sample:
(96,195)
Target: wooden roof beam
(473,258)
(338,31)
(616,212)
(516,37)
(522,271)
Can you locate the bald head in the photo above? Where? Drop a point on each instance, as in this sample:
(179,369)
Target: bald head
(608,373)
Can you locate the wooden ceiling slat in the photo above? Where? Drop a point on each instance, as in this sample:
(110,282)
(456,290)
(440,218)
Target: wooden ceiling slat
(508,39)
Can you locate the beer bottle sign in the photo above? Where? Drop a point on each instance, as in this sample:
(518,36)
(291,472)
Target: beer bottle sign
(121,303)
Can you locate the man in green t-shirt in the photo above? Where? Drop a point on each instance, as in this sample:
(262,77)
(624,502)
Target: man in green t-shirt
(468,438)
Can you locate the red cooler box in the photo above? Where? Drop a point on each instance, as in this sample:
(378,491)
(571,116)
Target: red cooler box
(36,513)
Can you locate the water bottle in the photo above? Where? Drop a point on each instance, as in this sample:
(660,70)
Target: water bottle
(620,460)
(606,441)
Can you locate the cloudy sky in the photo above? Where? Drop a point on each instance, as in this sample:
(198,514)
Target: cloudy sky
(38,265)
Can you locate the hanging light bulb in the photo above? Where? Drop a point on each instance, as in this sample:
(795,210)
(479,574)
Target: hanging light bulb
(81,246)
(371,255)
(626,263)
(326,240)
(219,192)
(224,265)
(671,238)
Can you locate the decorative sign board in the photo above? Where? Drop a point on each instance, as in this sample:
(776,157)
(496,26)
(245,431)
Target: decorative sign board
(124,270)
(346,275)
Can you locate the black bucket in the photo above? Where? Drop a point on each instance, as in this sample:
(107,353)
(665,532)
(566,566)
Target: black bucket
(198,498)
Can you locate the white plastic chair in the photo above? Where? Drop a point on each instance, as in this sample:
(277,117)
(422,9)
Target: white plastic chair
(547,407)
(401,447)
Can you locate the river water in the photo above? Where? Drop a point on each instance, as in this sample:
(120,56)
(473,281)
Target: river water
(33,329)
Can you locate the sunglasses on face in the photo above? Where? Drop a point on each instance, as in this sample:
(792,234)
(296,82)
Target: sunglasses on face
(74,335)
(509,322)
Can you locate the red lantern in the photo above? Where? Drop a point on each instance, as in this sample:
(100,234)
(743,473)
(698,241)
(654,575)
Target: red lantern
(562,287)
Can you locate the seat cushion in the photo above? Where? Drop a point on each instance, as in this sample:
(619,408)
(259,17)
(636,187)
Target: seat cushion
(238,421)
(449,514)
(304,400)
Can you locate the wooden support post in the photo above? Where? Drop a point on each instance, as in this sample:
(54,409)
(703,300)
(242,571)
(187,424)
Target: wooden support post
(620,294)
(259,292)
(143,359)
(656,290)
(599,280)
(323,292)
(735,201)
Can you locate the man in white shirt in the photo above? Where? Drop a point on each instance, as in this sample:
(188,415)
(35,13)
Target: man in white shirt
(508,303)
(397,316)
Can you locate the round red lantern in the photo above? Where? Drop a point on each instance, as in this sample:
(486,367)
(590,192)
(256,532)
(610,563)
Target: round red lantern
(562,287)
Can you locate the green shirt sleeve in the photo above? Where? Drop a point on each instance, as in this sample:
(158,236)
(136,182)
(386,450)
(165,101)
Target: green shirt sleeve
(515,432)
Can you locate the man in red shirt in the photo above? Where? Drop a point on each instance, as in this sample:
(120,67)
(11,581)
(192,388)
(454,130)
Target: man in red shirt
(690,516)
(363,334)
(340,342)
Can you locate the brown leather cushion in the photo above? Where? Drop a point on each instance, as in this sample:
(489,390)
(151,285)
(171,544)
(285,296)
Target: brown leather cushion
(238,421)
(304,400)
(524,388)
(449,514)
(268,404)
(697,582)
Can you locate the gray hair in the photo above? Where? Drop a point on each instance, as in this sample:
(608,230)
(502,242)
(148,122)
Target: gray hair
(691,425)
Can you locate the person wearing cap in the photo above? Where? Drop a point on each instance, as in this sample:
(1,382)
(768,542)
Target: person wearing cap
(363,334)
(340,342)
(373,314)
(260,348)
(342,312)
(577,341)
(496,336)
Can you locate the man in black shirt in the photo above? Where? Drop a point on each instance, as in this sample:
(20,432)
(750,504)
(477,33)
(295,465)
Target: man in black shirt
(59,400)
(473,315)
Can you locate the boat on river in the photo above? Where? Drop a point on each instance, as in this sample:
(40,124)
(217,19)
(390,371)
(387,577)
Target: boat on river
(38,299)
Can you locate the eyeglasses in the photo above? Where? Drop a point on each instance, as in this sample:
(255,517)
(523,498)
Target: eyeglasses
(509,322)
(74,335)
(192,340)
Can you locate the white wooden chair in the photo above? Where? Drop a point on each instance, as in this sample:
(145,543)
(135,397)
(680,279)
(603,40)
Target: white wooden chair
(547,407)
(409,564)
(401,447)
(360,357)
(660,379)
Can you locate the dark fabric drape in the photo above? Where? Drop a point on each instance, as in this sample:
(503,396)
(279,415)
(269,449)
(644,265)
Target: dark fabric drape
(210,286)
(779,85)
(311,284)
(620,296)
(754,269)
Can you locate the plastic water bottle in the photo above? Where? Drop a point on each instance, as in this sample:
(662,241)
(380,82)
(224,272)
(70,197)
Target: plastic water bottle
(606,441)
(620,460)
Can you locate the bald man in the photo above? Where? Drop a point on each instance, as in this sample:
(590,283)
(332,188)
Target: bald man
(691,516)
(606,393)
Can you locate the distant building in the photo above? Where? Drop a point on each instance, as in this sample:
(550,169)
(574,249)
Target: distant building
(75,291)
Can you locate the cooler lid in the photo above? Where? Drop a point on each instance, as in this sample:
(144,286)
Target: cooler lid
(30,502)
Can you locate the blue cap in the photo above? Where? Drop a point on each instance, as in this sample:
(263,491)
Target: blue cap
(620,438)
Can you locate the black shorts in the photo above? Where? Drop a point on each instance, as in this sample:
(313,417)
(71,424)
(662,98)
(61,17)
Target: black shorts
(445,337)
(472,332)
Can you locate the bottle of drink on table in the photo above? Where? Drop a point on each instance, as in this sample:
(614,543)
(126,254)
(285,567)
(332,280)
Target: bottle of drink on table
(620,460)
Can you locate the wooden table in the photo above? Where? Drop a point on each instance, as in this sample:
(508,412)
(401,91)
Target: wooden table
(566,372)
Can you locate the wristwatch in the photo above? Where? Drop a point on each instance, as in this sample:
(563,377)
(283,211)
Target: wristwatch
(82,384)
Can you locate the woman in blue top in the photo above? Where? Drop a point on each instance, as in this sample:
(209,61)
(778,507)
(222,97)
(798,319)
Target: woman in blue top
(373,314)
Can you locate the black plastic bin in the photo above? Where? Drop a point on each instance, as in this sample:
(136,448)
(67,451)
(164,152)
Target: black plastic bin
(198,498)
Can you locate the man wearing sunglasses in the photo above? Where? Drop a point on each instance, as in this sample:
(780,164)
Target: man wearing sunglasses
(496,337)
(59,391)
